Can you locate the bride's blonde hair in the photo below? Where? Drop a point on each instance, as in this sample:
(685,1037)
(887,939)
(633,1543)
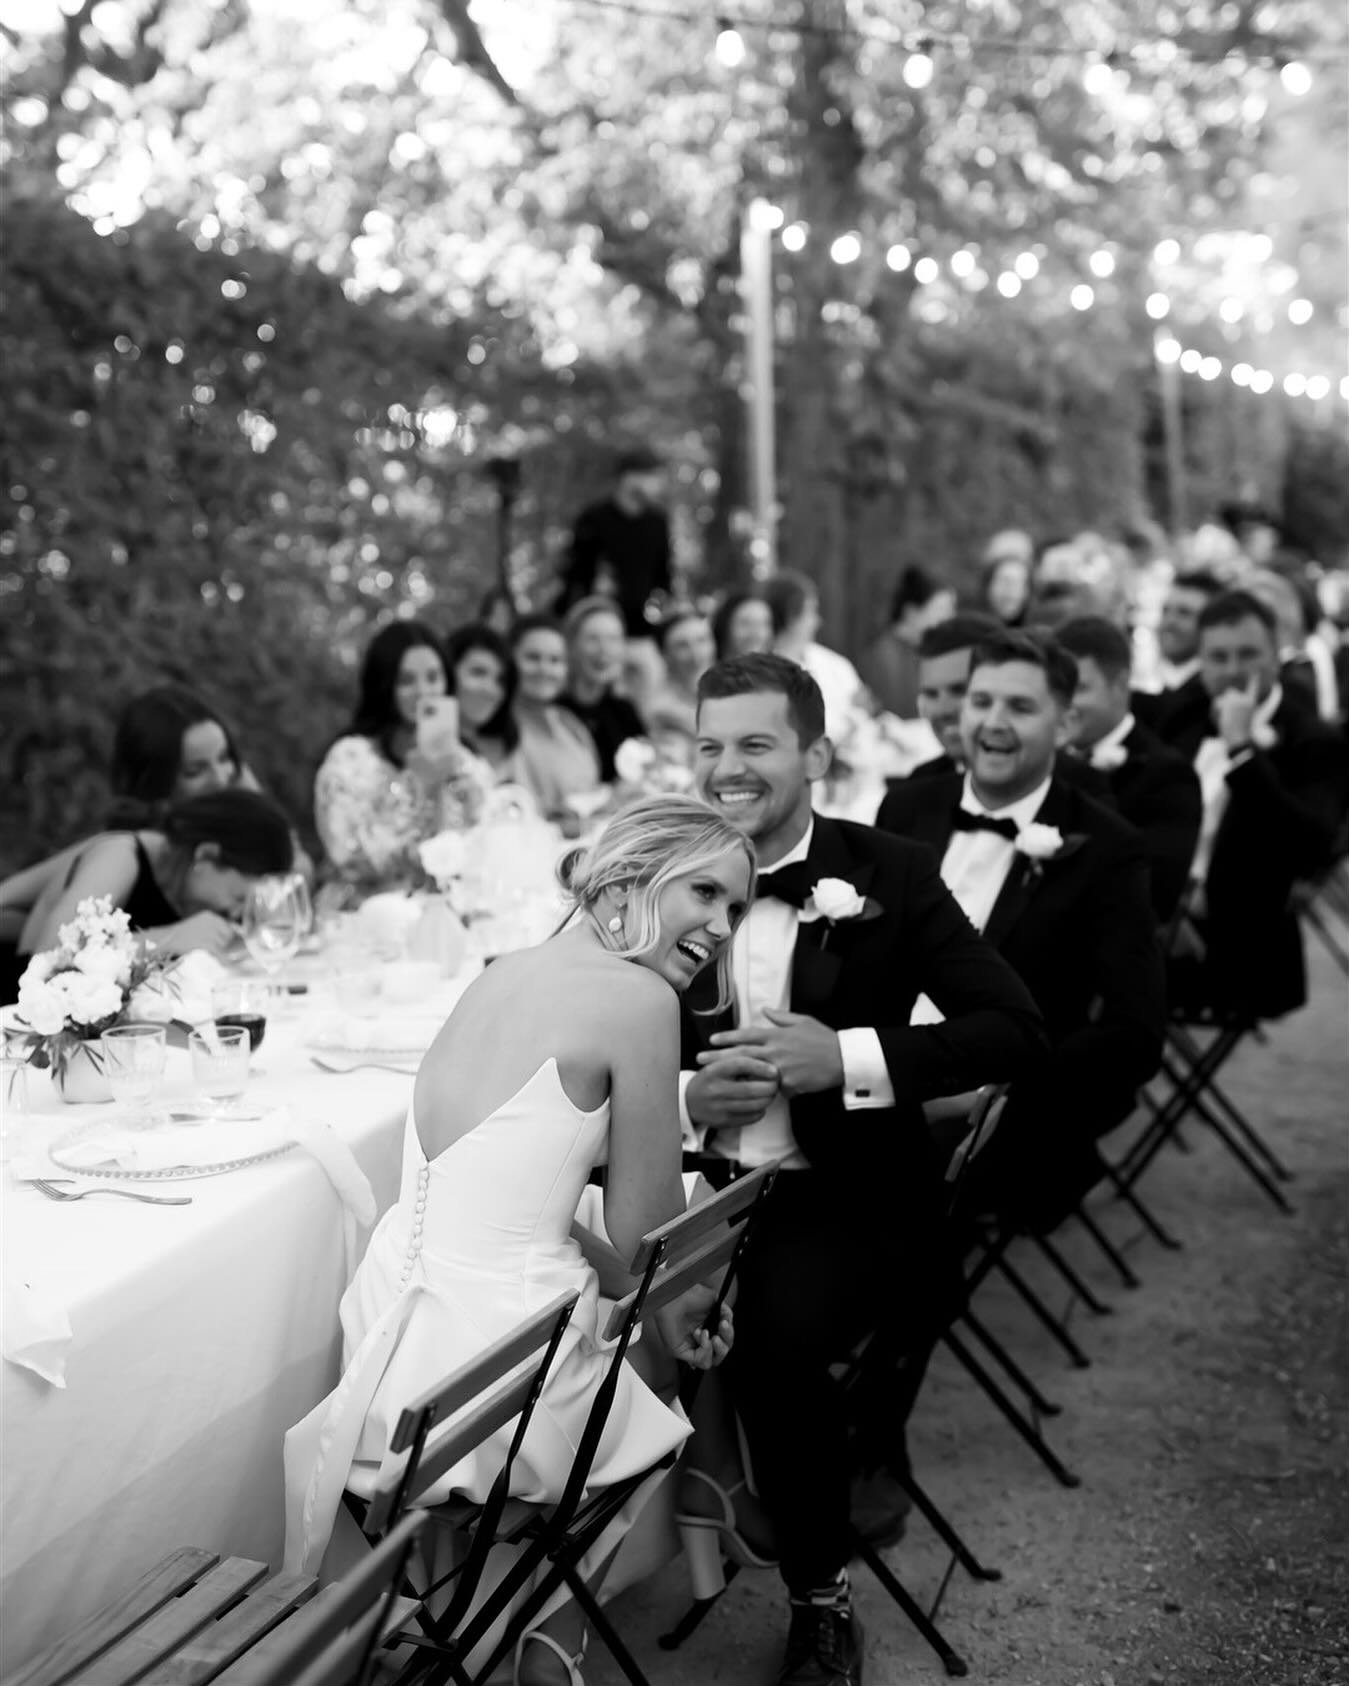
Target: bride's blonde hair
(643,848)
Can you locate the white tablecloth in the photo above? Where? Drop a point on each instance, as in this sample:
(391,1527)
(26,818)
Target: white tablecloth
(199,1335)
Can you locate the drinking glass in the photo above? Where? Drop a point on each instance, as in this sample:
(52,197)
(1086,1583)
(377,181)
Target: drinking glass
(303,901)
(274,921)
(241,1004)
(220,1065)
(133,1061)
(13,1103)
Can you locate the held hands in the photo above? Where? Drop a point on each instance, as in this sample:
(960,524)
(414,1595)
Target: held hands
(804,1053)
(1234,714)
(681,1329)
(731,1089)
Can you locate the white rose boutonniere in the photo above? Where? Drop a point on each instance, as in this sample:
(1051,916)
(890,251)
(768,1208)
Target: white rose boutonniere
(834,899)
(1039,842)
(1107,757)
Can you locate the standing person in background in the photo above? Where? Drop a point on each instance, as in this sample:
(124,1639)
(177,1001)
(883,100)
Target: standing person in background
(1176,684)
(795,606)
(594,630)
(672,709)
(743,625)
(890,665)
(620,548)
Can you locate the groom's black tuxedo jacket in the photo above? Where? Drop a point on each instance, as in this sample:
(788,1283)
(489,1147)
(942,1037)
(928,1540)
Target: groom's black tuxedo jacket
(1080,933)
(870,972)
(1157,791)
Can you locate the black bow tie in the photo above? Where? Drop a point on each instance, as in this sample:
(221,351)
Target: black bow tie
(789,884)
(965,821)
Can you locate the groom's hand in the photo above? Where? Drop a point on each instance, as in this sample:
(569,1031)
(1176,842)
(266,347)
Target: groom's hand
(805,1053)
(731,1088)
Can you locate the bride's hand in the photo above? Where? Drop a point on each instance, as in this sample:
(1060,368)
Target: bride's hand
(681,1329)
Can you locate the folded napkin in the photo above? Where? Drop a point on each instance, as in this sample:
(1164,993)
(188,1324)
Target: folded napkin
(34,1327)
(394,1031)
(114,1146)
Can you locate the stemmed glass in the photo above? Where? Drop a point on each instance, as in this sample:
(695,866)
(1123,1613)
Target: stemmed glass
(133,1061)
(275,921)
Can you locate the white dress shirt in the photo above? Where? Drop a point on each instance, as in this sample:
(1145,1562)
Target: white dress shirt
(1175,674)
(1109,751)
(761,967)
(1213,762)
(975,867)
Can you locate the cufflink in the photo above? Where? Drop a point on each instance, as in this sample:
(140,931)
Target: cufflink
(862,1094)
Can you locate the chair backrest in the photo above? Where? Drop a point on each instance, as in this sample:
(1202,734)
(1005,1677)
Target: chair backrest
(681,1235)
(332,1641)
(469,1385)
(671,1281)
(985,1115)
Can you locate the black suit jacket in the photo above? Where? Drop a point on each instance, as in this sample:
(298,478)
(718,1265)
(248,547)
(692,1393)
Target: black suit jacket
(1157,791)
(1285,805)
(1160,710)
(870,972)
(1073,768)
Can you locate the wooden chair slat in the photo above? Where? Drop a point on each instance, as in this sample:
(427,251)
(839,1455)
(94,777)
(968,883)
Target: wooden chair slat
(669,1284)
(259,1661)
(214,1647)
(171,1576)
(154,1640)
(470,1380)
(337,1663)
(680,1234)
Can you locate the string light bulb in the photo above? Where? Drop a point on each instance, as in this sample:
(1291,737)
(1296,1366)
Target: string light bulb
(1102,264)
(794,236)
(918,68)
(1027,265)
(1009,284)
(846,249)
(1241,374)
(1318,389)
(1300,312)
(898,258)
(1158,306)
(1295,385)
(1231,310)
(1209,368)
(962,264)
(1261,380)
(1166,252)
(1082,296)
(1190,360)
(730,48)
(925,271)
(1168,351)
(1296,79)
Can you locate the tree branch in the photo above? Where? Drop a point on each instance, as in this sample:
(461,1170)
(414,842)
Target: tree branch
(471,50)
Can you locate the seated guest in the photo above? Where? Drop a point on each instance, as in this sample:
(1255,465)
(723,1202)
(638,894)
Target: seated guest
(1176,680)
(1005,586)
(483,681)
(1273,781)
(596,649)
(556,758)
(385,784)
(183,881)
(818,1066)
(1059,885)
(1153,787)
(743,625)
(944,655)
(890,664)
(686,645)
(1306,663)
(795,604)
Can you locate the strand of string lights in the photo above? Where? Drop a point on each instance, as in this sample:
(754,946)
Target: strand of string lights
(1118,55)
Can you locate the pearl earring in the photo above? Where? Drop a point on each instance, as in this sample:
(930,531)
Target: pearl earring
(616,923)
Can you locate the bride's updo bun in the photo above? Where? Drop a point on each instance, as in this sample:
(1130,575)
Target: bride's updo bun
(644,847)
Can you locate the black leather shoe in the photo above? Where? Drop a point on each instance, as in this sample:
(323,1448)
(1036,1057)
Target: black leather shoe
(824,1648)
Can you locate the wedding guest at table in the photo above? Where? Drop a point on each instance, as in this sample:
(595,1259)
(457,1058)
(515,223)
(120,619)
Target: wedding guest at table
(556,757)
(687,648)
(817,1066)
(1306,662)
(558,1058)
(383,786)
(1175,683)
(1153,788)
(890,664)
(483,681)
(795,605)
(944,655)
(183,881)
(1059,885)
(743,625)
(1005,585)
(1273,779)
(595,657)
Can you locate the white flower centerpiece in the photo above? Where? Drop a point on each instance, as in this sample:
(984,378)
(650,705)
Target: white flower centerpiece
(649,769)
(69,995)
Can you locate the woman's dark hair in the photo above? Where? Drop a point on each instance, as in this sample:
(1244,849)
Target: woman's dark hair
(674,620)
(377,713)
(495,598)
(536,623)
(247,828)
(147,749)
(914,589)
(721,621)
(502,727)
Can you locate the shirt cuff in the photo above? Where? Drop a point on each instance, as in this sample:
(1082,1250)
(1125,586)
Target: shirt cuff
(693,1136)
(866,1077)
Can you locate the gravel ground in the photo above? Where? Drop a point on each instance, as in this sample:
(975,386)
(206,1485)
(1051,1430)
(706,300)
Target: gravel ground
(1209,1542)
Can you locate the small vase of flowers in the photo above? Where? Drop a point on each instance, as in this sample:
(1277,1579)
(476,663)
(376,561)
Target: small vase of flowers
(71,994)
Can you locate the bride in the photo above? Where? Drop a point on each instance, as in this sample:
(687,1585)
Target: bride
(557,1059)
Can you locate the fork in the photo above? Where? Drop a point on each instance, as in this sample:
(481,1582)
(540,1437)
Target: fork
(53,1193)
(361,1065)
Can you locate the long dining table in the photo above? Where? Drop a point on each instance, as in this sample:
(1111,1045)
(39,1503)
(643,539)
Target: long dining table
(197,1335)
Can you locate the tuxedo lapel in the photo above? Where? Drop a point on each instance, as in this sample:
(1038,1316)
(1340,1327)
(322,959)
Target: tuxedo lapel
(815,960)
(1020,883)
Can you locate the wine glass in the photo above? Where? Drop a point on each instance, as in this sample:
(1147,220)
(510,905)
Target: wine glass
(133,1061)
(304,902)
(274,921)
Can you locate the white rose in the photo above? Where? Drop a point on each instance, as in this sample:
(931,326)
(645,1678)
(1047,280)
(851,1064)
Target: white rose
(103,962)
(42,1006)
(150,1004)
(1106,757)
(633,760)
(40,967)
(91,1000)
(443,856)
(835,898)
(1039,842)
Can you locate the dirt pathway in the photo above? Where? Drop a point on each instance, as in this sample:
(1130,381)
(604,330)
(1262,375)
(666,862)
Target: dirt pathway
(1209,1542)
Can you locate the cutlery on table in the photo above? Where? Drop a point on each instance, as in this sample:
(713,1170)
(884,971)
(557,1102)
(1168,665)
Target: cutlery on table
(50,1189)
(341,1067)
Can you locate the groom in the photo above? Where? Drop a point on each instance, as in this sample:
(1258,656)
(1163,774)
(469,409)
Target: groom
(818,1067)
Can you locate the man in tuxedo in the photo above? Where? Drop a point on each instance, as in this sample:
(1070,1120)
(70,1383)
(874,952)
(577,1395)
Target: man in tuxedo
(1177,678)
(1154,788)
(1273,783)
(1059,885)
(818,1067)
(944,653)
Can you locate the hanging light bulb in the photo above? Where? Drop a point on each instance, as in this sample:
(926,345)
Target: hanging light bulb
(1344,388)
(1241,374)
(962,264)
(1210,368)
(1158,306)
(1296,79)
(1190,360)
(918,68)
(1318,388)
(1168,351)
(794,236)
(846,249)
(925,271)
(762,214)
(1027,265)
(1295,385)
(1166,252)
(1009,284)
(1098,78)
(730,48)
(1102,263)
(1261,380)
(1299,312)
(1082,296)
(898,258)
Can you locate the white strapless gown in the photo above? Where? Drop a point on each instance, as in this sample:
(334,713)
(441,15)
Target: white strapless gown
(479,1240)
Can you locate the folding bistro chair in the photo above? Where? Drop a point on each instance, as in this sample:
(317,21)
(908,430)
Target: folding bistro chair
(552,1541)
(1323,906)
